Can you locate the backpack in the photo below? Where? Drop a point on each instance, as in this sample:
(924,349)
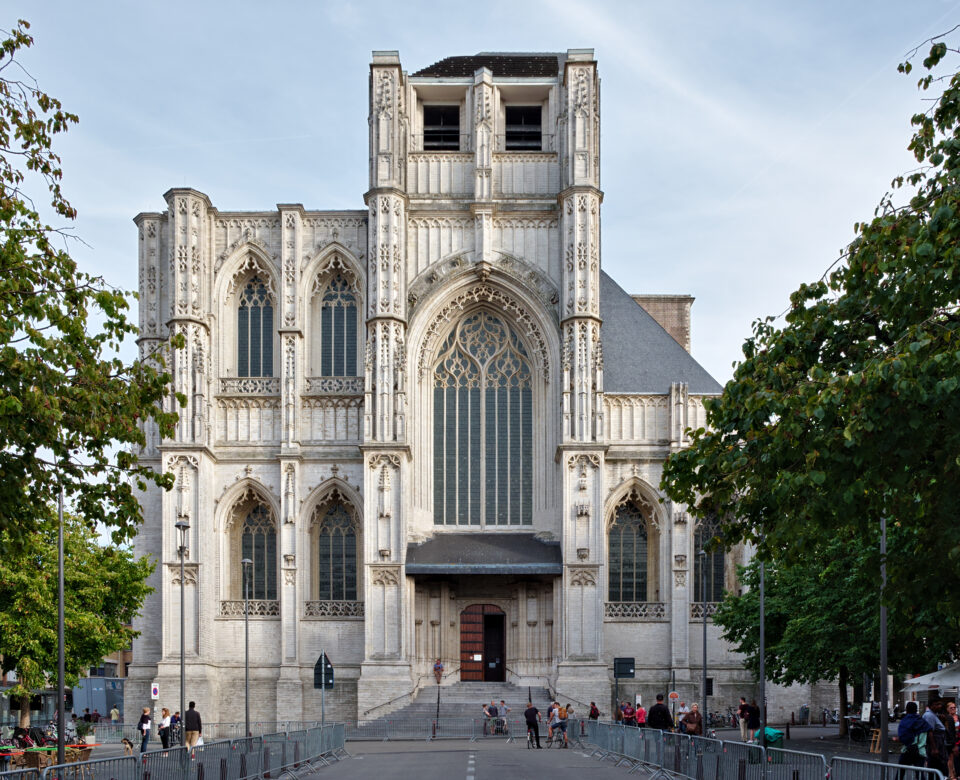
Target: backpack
(563,713)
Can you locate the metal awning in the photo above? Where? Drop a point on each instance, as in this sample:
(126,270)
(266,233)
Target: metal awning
(484,553)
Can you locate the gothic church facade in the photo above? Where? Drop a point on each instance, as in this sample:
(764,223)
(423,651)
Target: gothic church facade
(432,427)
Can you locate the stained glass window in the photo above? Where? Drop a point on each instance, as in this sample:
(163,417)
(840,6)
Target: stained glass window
(259,544)
(628,554)
(712,571)
(255,330)
(336,566)
(483,426)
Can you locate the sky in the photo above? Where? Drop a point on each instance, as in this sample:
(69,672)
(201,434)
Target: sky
(740,140)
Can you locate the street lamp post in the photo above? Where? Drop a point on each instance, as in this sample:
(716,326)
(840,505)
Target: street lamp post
(61,649)
(703,602)
(245,564)
(763,664)
(182,527)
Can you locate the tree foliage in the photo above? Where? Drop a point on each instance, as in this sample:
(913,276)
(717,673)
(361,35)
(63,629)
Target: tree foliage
(849,410)
(67,402)
(104,588)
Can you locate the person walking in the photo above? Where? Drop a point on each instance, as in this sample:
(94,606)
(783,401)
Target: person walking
(594,711)
(743,713)
(659,716)
(693,721)
(165,727)
(192,725)
(143,726)
(532,716)
(912,733)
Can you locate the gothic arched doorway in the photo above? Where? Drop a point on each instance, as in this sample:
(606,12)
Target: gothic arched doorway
(483,643)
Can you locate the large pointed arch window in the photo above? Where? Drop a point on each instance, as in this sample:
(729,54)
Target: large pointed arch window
(708,570)
(255,330)
(335,317)
(259,545)
(482,426)
(629,554)
(336,554)
(251,535)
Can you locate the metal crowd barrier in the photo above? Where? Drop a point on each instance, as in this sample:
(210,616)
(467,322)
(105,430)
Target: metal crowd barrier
(698,758)
(22,774)
(269,755)
(856,769)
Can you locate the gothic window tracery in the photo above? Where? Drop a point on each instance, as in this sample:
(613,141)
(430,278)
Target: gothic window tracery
(336,548)
(711,571)
(335,328)
(255,330)
(256,537)
(629,554)
(483,425)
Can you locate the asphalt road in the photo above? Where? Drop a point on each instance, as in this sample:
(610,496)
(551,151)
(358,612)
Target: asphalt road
(464,760)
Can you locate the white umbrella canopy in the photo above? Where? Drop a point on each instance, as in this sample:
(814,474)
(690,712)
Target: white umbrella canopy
(948,677)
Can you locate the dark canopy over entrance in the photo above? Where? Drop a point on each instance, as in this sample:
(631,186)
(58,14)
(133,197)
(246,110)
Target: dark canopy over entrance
(483,634)
(484,553)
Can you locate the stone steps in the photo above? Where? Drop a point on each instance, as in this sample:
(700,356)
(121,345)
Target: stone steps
(466,700)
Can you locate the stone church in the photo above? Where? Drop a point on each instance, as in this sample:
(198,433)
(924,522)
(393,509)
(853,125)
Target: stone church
(432,427)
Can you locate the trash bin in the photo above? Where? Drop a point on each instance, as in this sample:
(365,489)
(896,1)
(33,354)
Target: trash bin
(773,738)
(804,715)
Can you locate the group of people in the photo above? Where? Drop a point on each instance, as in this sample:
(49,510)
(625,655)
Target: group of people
(931,739)
(749,717)
(191,723)
(689,719)
(496,715)
(557,719)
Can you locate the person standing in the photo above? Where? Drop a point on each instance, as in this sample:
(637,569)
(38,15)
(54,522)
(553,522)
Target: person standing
(192,725)
(641,717)
(143,726)
(743,713)
(693,721)
(532,716)
(438,671)
(937,739)
(659,716)
(165,727)
(753,720)
(594,712)
(114,715)
(912,732)
(681,712)
(955,753)
(948,719)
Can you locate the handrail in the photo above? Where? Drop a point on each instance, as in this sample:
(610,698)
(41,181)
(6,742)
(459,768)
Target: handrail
(551,688)
(412,692)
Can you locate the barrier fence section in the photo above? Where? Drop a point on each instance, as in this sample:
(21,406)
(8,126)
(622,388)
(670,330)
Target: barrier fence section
(237,759)
(22,774)
(795,765)
(855,769)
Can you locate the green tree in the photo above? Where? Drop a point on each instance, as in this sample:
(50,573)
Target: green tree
(849,410)
(104,588)
(822,621)
(72,413)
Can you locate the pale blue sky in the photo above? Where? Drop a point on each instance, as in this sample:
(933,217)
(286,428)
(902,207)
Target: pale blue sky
(740,140)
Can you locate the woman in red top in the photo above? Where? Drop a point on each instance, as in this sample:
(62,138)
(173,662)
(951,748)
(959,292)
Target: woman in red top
(641,716)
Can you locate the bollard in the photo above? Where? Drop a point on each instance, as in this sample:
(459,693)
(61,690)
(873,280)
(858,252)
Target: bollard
(742,769)
(788,727)
(792,714)
(700,766)
(296,754)
(223,769)
(824,719)
(796,774)
(266,761)
(243,764)
(200,771)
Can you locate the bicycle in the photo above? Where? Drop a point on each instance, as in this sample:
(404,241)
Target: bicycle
(531,744)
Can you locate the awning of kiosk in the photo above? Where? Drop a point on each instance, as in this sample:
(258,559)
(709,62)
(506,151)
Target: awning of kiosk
(486,553)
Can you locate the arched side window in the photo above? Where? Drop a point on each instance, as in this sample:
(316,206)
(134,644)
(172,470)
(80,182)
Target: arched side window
(258,543)
(335,311)
(255,330)
(483,426)
(335,565)
(710,571)
(628,556)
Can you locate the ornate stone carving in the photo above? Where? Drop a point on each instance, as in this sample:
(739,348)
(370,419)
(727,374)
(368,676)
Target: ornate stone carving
(260,385)
(697,609)
(289,576)
(249,237)
(289,493)
(383,98)
(252,265)
(385,575)
(583,577)
(383,459)
(583,461)
(483,293)
(635,610)
(190,574)
(334,385)
(258,608)
(330,609)
(680,579)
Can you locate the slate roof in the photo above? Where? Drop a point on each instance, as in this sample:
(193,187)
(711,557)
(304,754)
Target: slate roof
(639,356)
(484,553)
(499,63)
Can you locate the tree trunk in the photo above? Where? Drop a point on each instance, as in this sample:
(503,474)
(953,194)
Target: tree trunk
(24,712)
(843,700)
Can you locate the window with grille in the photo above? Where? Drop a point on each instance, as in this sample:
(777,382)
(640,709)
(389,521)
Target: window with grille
(482,426)
(710,570)
(441,128)
(255,330)
(337,331)
(628,554)
(259,544)
(336,566)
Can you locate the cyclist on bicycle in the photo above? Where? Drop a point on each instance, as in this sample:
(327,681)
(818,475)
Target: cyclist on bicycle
(532,715)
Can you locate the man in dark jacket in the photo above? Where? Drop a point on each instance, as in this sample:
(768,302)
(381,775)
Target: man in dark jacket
(192,726)
(659,716)
(910,727)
